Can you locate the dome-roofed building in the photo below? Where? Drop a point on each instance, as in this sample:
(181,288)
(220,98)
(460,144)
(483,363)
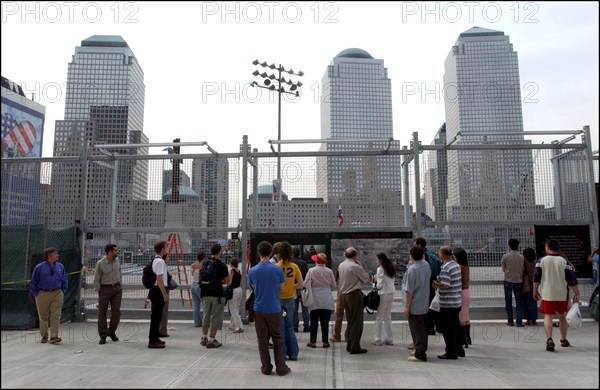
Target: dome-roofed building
(354,53)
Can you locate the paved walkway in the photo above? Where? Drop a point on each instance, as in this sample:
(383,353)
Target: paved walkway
(500,357)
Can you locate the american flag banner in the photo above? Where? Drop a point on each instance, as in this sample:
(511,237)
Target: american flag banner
(18,139)
(340,216)
(117,218)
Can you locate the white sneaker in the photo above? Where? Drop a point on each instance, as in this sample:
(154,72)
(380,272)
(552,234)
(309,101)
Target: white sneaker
(413,358)
(388,342)
(377,342)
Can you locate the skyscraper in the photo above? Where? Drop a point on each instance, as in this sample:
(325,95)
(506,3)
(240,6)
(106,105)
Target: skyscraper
(210,179)
(483,107)
(356,103)
(104,104)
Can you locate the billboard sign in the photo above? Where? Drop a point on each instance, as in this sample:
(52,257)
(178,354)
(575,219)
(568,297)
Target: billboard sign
(22,129)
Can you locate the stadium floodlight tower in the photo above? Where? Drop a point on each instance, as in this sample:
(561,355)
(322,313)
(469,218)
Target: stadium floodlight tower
(277,83)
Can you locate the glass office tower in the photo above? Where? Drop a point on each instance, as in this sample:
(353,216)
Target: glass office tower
(483,106)
(356,103)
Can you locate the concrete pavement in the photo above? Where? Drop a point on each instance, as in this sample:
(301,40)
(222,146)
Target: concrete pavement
(500,357)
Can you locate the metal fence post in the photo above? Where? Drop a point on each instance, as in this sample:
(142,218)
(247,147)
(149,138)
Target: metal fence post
(82,223)
(113,201)
(255,192)
(591,181)
(416,150)
(406,191)
(556,173)
(244,150)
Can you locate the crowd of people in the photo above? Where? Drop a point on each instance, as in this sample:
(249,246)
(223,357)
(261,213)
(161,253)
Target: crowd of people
(435,287)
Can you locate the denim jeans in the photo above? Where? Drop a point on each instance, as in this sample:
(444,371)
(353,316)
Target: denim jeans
(305,314)
(197,300)
(288,336)
(509,288)
(530,309)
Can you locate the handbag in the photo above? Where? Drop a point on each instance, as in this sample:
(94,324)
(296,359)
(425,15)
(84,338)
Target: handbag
(172,284)
(372,299)
(435,302)
(228,293)
(307,295)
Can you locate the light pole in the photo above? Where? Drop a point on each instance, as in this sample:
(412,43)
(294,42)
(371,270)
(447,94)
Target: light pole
(269,84)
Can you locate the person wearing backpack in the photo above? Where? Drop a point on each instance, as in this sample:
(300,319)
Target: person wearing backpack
(158,294)
(213,275)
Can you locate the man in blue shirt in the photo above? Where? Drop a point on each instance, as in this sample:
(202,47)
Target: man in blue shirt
(416,302)
(268,280)
(48,286)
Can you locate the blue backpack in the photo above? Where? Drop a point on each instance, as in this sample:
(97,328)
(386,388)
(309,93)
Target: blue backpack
(434,262)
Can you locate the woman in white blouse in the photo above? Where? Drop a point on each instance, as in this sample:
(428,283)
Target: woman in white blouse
(385,283)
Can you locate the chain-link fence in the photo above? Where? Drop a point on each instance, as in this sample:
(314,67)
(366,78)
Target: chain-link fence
(474,193)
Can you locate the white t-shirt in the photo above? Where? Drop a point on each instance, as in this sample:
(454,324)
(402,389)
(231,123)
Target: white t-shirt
(160,268)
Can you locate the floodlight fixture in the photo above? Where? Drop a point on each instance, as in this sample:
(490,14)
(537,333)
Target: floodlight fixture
(269,83)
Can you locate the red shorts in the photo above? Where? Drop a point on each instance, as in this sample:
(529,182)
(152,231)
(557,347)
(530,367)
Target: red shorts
(551,307)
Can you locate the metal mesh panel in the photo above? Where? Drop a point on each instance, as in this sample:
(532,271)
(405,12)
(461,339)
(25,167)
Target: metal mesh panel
(366,188)
(573,194)
(477,198)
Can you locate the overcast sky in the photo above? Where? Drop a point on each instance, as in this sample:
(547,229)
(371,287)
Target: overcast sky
(197,60)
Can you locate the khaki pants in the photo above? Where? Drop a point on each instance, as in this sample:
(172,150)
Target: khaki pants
(49,303)
(339,317)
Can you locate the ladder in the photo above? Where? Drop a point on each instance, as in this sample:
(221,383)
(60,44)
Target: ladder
(174,243)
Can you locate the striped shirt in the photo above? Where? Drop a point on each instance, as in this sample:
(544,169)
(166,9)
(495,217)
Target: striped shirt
(450,276)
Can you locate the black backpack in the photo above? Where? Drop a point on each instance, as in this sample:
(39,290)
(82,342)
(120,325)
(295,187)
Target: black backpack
(148,275)
(208,277)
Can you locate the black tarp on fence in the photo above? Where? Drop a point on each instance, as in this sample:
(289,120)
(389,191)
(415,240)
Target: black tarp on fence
(22,249)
